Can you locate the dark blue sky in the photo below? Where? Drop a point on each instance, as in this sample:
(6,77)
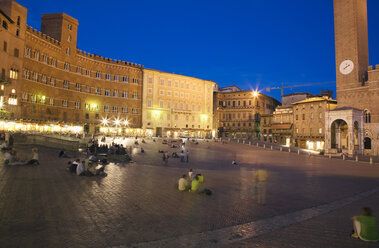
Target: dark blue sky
(251,43)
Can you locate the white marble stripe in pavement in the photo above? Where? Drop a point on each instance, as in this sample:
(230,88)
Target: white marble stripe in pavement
(252,229)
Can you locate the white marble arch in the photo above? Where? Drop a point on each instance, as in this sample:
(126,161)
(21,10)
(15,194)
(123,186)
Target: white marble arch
(355,131)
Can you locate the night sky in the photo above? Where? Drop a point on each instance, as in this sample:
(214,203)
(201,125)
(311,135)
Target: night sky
(252,43)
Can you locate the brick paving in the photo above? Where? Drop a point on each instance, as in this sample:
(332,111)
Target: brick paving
(45,206)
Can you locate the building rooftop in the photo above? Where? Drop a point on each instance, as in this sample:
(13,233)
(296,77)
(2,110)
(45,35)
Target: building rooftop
(316,99)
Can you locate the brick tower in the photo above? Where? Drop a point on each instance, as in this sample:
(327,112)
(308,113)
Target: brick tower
(351,44)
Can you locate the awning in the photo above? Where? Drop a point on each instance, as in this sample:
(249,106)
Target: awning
(281,126)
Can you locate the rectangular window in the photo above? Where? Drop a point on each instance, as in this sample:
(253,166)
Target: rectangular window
(168,105)
(79,70)
(106,108)
(35,76)
(45,59)
(135,80)
(107,76)
(13,73)
(303,116)
(134,111)
(117,78)
(161,92)
(168,93)
(320,130)
(64,103)
(125,94)
(169,83)
(67,66)
(125,79)
(135,95)
(52,81)
(77,105)
(162,82)
(124,110)
(78,87)
(98,75)
(149,103)
(5,46)
(44,79)
(66,84)
(88,73)
(115,93)
(88,89)
(28,52)
(115,109)
(16,52)
(149,90)
(54,62)
(107,93)
(161,104)
(51,101)
(98,91)
(150,80)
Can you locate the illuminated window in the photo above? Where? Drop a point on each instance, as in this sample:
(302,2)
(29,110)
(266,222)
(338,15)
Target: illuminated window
(106,108)
(12,100)
(35,76)
(52,101)
(64,103)
(28,52)
(13,73)
(124,110)
(54,62)
(69,38)
(52,81)
(45,59)
(320,130)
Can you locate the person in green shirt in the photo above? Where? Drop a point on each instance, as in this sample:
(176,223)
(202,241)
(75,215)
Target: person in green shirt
(365,226)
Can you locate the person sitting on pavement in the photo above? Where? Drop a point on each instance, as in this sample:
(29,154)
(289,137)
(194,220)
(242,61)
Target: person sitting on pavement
(8,157)
(175,155)
(62,154)
(190,174)
(34,159)
(80,169)
(234,162)
(142,150)
(183,183)
(365,226)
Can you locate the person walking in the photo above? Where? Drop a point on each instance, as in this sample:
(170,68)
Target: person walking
(187,156)
(166,158)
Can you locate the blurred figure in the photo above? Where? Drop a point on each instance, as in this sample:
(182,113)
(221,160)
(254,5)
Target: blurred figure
(260,179)
(183,183)
(365,226)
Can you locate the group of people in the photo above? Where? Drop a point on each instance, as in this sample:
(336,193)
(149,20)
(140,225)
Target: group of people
(86,168)
(191,182)
(11,158)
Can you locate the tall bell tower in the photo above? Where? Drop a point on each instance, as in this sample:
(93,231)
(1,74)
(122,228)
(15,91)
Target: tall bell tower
(351,43)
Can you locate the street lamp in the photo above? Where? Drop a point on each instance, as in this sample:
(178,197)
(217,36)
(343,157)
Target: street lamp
(117,122)
(126,122)
(104,121)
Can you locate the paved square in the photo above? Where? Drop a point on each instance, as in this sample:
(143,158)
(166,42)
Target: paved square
(309,201)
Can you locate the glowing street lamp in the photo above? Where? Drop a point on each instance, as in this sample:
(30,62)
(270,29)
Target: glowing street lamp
(117,122)
(104,121)
(126,122)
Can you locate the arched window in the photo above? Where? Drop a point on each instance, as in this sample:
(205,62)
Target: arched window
(367,116)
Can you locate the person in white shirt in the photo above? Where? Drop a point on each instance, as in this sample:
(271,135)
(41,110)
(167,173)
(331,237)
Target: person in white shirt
(80,170)
(34,159)
(190,174)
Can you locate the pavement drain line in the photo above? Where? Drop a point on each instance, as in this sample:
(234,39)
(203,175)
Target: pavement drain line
(252,229)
